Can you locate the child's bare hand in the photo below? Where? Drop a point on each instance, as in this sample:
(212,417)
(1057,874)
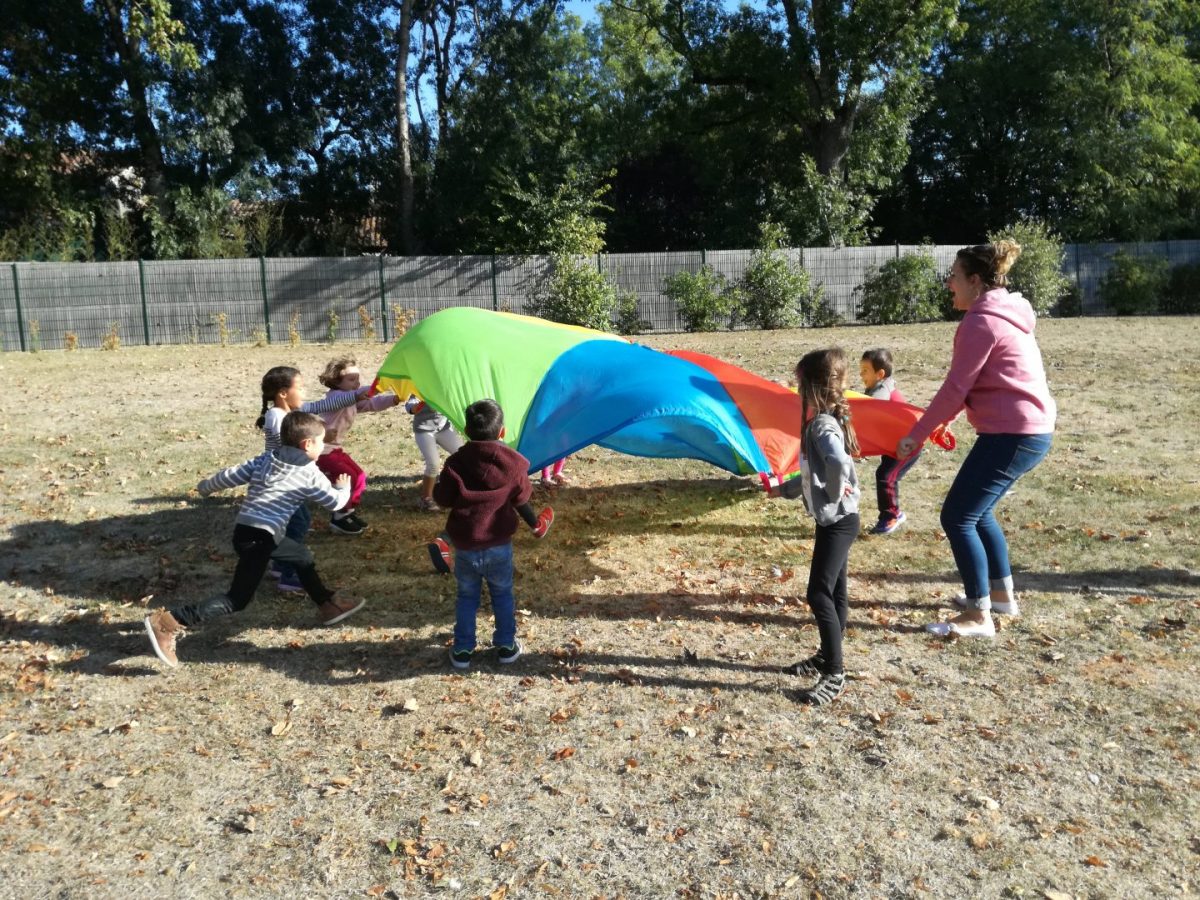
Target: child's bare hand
(342,481)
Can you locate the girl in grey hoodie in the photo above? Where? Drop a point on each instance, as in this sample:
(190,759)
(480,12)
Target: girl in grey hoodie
(829,486)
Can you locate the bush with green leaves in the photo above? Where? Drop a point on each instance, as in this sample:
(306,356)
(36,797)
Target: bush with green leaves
(576,293)
(64,234)
(626,318)
(702,298)
(1038,272)
(1134,285)
(1181,297)
(906,289)
(1070,305)
(775,293)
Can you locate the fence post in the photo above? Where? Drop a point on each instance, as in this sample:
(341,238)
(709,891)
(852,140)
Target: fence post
(495,292)
(1078,280)
(20,317)
(383,299)
(599,266)
(897,249)
(262,277)
(703,258)
(145,312)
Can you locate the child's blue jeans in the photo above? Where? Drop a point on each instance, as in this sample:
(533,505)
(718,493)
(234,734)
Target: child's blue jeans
(990,469)
(471,569)
(297,530)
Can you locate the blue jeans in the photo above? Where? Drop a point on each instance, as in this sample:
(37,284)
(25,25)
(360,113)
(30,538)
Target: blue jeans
(471,568)
(990,469)
(297,528)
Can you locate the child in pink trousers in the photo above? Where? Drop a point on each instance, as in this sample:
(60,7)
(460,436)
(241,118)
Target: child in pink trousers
(343,378)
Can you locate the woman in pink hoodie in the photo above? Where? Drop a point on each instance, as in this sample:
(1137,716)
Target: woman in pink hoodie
(996,374)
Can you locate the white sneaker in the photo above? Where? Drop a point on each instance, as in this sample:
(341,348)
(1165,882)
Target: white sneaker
(986,628)
(999,607)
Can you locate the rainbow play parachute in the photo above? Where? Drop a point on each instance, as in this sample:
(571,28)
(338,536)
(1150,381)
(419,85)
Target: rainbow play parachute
(563,388)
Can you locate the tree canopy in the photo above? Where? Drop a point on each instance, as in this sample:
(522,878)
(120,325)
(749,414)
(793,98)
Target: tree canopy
(160,129)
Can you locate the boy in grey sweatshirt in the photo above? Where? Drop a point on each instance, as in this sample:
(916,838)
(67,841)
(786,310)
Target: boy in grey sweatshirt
(279,481)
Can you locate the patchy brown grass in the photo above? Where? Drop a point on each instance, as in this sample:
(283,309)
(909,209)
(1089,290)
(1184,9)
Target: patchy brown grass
(286,759)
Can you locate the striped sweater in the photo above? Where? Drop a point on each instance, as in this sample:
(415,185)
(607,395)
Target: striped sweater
(280,480)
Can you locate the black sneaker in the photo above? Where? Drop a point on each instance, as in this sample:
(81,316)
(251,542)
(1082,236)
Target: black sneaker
(358,520)
(460,659)
(347,525)
(509,654)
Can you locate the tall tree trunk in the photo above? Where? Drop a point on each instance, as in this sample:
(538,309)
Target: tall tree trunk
(149,143)
(403,136)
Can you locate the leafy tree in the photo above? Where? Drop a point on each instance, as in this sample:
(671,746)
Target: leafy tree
(1079,113)
(519,126)
(815,97)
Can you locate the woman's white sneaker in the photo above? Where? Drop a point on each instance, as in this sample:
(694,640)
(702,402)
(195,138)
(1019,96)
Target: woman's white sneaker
(985,629)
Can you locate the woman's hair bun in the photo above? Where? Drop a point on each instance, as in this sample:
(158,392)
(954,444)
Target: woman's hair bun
(1006,254)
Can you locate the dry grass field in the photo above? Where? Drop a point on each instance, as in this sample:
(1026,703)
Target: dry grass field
(647,744)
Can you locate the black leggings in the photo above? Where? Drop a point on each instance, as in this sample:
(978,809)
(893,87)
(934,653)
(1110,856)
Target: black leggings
(827,595)
(255,549)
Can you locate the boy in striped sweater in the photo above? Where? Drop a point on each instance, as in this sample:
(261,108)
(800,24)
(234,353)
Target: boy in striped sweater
(279,481)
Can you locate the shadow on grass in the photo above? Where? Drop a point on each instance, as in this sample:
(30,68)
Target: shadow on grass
(362,662)
(126,557)
(1167,583)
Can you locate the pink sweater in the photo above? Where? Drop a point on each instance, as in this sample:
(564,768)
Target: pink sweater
(339,422)
(996,372)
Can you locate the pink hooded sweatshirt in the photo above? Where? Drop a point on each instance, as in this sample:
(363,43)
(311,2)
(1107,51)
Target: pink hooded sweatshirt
(996,372)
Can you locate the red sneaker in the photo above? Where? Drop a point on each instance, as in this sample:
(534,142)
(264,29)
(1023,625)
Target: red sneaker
(544,520)
(440,556)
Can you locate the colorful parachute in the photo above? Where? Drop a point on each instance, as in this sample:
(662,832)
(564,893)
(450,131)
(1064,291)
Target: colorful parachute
(563,388)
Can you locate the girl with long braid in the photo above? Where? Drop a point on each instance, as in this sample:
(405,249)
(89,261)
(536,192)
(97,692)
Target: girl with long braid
(828,483)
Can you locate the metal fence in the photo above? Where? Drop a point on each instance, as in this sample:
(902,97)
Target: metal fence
(56,305)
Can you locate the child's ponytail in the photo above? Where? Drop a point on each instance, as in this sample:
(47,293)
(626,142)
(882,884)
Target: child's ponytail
(277,379)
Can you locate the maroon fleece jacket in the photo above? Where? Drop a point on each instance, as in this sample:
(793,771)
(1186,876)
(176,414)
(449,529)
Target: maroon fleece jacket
(482,484)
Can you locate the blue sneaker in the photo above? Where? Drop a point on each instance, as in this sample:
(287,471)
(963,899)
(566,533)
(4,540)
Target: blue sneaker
(887,526)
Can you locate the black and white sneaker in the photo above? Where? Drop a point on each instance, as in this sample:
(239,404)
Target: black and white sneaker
(509,654)
(827,689)
(808,668)
(347,525)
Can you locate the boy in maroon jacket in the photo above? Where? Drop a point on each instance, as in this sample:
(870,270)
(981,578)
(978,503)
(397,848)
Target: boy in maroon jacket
(485,485)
